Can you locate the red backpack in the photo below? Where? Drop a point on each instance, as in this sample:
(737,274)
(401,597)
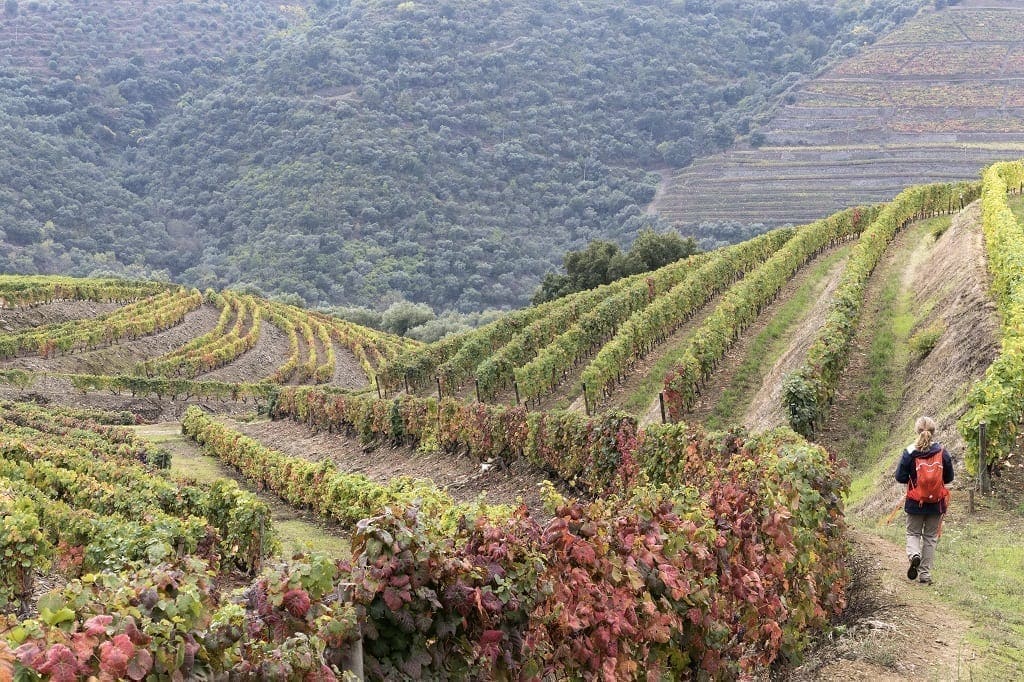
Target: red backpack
(929,488)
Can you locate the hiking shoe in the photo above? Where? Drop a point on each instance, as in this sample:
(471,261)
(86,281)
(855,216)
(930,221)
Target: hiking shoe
(915,561)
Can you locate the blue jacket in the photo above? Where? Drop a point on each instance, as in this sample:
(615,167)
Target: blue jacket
(907,472)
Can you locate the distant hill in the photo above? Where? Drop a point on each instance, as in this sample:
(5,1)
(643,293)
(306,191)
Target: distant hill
(361,152)
(81,86)
(935,100)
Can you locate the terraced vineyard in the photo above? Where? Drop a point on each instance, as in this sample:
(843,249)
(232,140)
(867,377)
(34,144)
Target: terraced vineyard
(934,101)
(491,534)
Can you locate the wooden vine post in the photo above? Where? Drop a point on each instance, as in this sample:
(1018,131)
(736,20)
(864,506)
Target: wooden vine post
(983,482)
(354,660)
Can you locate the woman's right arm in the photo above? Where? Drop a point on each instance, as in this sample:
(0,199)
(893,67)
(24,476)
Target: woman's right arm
(903,470)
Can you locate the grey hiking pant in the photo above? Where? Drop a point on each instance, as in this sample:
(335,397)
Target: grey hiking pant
(922,536)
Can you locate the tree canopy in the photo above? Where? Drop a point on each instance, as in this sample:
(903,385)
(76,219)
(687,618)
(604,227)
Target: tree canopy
(603,262)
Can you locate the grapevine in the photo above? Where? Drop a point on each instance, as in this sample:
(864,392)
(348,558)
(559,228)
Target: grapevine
(808,392)
(997,398)
(741,305)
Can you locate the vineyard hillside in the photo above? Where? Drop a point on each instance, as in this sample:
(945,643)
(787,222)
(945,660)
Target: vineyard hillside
(935,100)
(686,471)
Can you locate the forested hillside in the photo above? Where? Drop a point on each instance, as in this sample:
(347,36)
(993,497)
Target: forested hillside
(361,152)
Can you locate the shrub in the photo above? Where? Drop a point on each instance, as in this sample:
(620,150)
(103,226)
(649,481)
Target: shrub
(923,342)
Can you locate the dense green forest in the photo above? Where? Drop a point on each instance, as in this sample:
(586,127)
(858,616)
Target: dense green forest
(363,152)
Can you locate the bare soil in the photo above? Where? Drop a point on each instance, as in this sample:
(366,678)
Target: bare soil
(953,279)
(765,410)
(19,319)
(59,391)
(259,362)
(461,476)
(664,182)
(348,373)
(122,356)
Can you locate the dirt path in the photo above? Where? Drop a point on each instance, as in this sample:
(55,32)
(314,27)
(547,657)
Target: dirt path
(894,629)
(121,357)
(19,319)
(734,357)
(461,476)
(270,352)
(295,527)
(765,410)
(941,282)
(664,182)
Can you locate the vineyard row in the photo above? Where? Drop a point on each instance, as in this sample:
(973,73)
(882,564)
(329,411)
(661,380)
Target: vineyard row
(997,398)
(755,526)
(808,392)
(743,303)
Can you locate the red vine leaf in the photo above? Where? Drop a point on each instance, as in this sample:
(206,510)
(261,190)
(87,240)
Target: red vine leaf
(7,659)
(97,625)
(115,654)
(61,664)
(140,664)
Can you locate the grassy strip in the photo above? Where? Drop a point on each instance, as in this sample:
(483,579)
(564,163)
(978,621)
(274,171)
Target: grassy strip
(640,399)
(294,533)
(769,345)
(869,438)
(888,355)
(980,573)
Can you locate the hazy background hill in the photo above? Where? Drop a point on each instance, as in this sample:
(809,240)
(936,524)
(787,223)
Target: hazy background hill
(359,152)
(935,100)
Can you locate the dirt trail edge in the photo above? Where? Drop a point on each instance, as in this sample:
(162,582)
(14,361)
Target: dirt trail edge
(893,629)
(765,410)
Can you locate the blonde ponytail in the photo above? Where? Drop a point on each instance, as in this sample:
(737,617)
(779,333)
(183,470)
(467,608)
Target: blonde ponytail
(925,427)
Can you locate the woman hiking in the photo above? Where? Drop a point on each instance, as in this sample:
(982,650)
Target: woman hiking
(925,468)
